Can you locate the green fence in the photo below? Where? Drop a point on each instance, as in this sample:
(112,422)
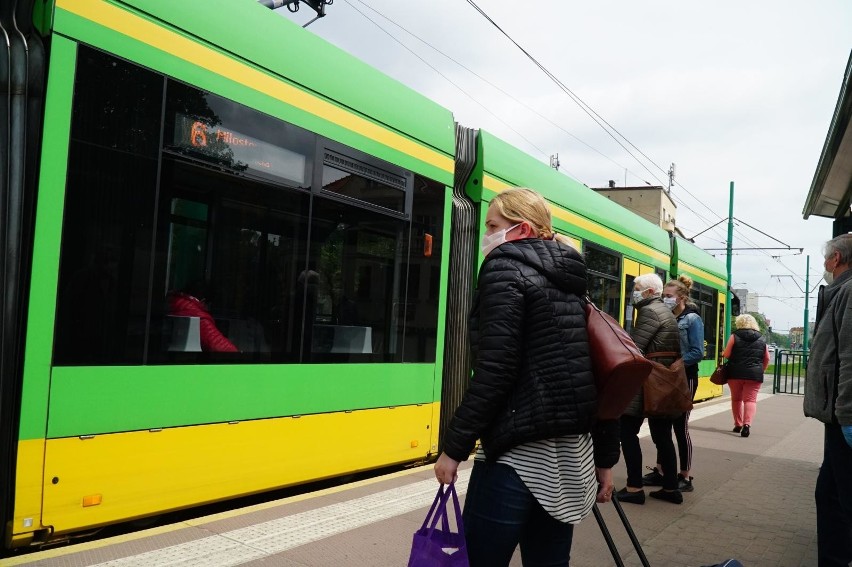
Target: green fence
(789,375)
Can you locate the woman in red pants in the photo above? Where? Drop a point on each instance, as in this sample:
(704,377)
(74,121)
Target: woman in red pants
(748,358)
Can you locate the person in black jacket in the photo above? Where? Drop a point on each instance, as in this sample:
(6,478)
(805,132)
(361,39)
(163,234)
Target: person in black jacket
(544,459)
(748,358)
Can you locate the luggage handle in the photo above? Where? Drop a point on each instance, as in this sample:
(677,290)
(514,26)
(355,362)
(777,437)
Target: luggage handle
(608,537)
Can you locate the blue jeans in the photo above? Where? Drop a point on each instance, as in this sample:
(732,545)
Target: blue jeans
(834,501)
(500,513)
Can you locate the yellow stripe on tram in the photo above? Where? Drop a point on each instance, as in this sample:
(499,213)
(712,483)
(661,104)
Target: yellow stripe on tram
(136,27)
(684,267)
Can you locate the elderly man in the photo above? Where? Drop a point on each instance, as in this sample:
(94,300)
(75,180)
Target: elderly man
(828,398)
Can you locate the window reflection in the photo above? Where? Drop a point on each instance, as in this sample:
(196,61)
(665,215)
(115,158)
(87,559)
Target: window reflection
(354,285)
(198,251)
(365,188)
(705,298)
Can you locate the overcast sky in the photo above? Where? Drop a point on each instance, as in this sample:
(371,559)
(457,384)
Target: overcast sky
(728,91)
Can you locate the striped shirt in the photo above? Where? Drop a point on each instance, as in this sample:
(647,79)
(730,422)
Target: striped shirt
(559,472)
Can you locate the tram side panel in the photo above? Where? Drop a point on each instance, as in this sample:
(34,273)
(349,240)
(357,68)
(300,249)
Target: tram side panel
(337,342)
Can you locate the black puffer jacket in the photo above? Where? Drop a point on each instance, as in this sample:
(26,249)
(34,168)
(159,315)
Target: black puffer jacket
(746,361)
(532,375)
(655,331)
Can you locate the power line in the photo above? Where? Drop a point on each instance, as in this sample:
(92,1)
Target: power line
(496,87)
(471,97)
(583,106)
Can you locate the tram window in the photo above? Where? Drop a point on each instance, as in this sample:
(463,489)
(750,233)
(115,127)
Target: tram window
(603,271)
(109,211)
(357,272)
(706,299)
(424,269)
(375,187)
(240,244)
(224,223)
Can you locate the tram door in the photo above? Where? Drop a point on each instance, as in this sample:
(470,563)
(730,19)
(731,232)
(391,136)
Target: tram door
(632,270)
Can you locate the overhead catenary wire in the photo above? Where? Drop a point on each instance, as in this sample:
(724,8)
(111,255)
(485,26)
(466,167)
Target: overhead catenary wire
(453,83)
(583,106)
(596,117)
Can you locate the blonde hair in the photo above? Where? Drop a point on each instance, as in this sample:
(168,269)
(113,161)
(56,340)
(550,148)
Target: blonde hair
(683,285)
(521,204)
(746,321)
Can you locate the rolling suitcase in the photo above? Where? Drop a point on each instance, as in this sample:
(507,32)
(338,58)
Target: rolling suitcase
(610,543)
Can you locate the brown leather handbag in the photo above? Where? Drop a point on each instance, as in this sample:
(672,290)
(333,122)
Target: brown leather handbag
(720,375)
(617,364)
(666,392)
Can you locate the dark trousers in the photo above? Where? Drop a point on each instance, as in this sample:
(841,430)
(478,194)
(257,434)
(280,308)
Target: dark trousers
(500,513)
(681,424)
(834,501)
(661,434)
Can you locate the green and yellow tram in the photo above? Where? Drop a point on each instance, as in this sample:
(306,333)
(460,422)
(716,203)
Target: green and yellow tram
(324,218)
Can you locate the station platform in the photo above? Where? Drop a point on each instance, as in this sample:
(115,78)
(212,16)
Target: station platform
(753,501)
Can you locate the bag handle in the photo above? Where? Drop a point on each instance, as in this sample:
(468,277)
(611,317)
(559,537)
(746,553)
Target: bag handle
(439,510)
(667,354)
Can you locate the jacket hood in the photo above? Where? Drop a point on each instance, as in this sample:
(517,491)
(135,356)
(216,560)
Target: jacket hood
(559,263)
(749,335)
(690,308)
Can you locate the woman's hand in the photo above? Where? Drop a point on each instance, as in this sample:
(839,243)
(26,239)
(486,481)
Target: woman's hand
(605,486)
(447,469)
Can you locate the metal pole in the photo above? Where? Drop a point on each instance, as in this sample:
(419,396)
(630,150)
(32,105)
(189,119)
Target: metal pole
(728,289)
(807,288)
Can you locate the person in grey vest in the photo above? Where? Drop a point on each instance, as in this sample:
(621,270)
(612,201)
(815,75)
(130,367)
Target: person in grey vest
(828,398)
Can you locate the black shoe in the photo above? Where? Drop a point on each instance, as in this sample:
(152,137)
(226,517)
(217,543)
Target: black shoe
(653,478)
(683,484)
(632,497)
(673,496)
(737,428)
(746,431)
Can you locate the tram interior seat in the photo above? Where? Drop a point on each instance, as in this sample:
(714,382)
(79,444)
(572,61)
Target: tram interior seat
(184,333)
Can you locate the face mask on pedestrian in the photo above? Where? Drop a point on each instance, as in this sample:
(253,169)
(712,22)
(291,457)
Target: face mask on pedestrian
(829,274)
(671,302)
(637,297)
(490,242)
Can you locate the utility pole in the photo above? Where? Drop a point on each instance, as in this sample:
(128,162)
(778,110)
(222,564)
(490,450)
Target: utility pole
(807,291)
(730,242)
(807,294)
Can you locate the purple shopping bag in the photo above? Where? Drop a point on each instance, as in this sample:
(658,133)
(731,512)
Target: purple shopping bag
(439,547)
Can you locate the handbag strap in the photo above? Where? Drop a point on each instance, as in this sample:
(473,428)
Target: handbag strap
(666,354)
(459,522)
(439,510)
(432,510)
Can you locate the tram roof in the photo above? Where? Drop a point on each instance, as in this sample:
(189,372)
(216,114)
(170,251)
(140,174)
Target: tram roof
(519,169)
(249,31)
(831,188)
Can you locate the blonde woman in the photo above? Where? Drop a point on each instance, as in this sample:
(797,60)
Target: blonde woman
(748,358)
(531,398)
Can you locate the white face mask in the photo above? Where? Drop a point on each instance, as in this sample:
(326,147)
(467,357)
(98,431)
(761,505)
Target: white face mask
(671,302)
(828,277)
(491,242)
(637,297)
